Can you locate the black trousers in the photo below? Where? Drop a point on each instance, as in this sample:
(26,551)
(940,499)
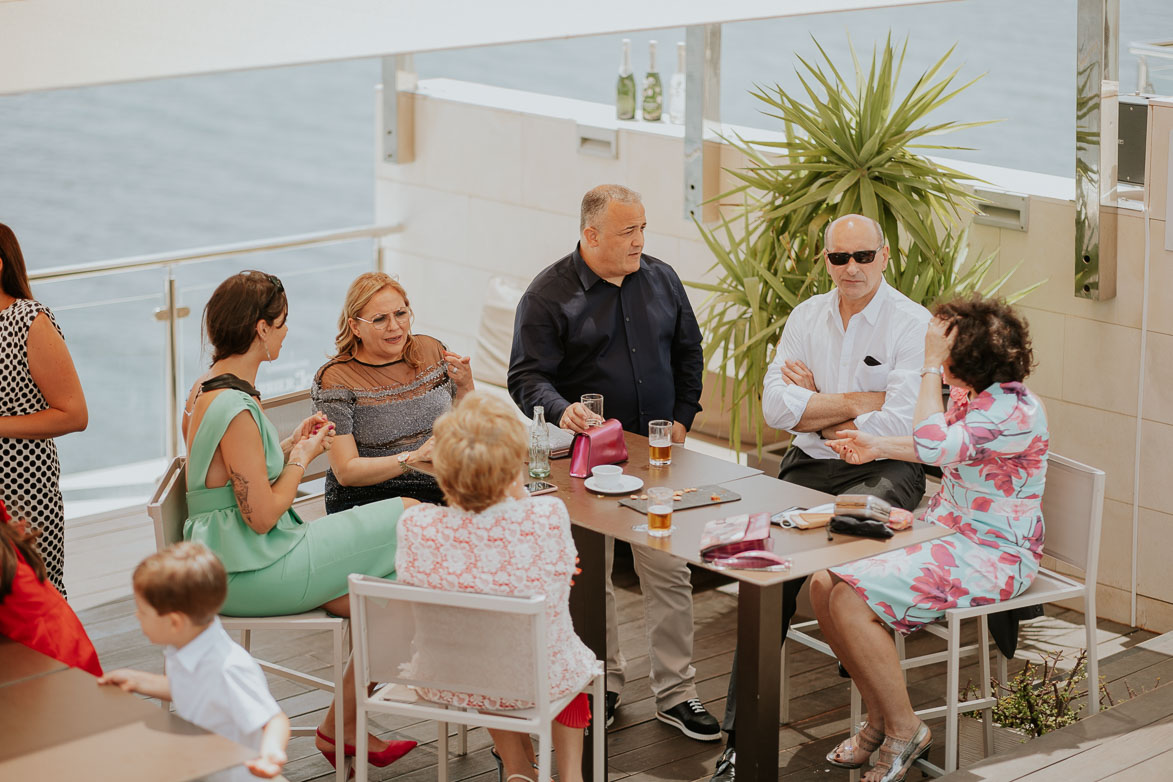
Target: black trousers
(900,483)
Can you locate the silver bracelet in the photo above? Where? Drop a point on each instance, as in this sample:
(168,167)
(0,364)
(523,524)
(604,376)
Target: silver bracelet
(930,371)
(296,464)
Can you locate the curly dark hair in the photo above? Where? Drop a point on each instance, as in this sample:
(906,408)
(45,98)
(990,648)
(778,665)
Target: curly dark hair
(991,342)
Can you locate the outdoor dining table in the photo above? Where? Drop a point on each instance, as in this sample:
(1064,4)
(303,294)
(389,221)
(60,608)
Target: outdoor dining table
(759,603)
(58,724)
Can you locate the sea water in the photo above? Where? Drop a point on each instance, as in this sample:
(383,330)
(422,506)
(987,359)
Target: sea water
(106,172)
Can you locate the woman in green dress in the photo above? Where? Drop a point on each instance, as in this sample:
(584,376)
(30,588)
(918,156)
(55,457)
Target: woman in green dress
(242,481)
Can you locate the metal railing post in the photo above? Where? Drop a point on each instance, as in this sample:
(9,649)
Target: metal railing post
(172,358)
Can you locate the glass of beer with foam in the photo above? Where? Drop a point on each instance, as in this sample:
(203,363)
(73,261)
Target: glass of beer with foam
(660,443)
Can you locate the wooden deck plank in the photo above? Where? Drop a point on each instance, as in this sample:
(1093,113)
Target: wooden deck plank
(642,749)
(1075,751)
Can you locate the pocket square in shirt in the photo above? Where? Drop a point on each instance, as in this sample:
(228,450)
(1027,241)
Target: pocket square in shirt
(871,362)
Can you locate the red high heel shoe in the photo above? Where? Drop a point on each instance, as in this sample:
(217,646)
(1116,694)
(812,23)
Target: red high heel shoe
(394,751)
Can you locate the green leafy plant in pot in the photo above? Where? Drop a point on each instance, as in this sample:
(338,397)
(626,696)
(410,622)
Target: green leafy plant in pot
(844,149)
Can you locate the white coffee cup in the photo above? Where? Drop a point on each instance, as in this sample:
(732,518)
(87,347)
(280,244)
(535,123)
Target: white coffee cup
(607,475)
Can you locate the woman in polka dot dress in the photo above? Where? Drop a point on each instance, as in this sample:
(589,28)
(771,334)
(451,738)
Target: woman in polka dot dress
(40,398)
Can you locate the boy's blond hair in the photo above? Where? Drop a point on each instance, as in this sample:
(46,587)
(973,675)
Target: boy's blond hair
(186,578)
(479,450)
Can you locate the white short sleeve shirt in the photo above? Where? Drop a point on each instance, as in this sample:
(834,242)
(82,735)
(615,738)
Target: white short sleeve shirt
(882,349)
(217,685)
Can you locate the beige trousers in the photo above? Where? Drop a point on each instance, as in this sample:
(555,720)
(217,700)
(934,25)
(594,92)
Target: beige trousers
(667,591)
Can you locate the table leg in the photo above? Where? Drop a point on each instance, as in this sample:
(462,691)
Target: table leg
(588,612)
(759,644)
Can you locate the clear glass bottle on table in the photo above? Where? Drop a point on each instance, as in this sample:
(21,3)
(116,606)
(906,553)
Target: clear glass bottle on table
(539,445)
(653,92)
(676,88)
(625,89)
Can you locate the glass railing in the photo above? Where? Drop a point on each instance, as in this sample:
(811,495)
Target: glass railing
(133,327)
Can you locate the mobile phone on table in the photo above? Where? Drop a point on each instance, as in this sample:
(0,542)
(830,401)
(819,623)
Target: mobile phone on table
(540,487)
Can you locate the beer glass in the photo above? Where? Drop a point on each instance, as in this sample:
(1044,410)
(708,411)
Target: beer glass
(660,511)
(594,405)
(660,443)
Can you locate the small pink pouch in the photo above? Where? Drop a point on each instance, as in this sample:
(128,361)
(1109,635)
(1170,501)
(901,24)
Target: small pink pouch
(598,445)
(741,542)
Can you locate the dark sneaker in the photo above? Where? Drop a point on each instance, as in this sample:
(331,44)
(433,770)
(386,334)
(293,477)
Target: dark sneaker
(693,720)
(611,705)
(726,766)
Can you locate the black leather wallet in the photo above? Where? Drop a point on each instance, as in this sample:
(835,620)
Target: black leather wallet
(866,528)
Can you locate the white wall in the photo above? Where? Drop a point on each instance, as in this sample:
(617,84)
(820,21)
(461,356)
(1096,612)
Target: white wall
(494,190)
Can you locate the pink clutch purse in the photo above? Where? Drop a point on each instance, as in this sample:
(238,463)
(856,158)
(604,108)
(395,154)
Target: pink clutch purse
(598,445)
(741,542)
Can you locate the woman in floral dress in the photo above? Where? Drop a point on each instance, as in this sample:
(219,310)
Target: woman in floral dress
(992,448)
(494,538)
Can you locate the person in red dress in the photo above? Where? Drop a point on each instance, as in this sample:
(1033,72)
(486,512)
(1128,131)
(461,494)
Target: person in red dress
(32,611)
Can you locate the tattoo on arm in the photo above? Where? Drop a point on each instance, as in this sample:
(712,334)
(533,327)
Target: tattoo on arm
(240,489)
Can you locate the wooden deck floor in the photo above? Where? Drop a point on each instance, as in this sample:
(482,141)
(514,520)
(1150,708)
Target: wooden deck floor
(642,749)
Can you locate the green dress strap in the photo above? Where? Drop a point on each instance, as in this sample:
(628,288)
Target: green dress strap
(214,518)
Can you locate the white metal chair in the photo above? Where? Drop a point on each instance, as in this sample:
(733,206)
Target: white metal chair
(168,509)
(490,645)
(1073,504)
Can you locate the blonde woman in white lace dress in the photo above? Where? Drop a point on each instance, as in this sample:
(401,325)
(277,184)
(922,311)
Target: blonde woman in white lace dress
(494,538)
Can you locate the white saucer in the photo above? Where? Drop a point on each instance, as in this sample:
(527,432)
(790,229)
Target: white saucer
(627,484)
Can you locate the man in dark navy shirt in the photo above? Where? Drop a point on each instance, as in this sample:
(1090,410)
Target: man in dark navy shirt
(609,320)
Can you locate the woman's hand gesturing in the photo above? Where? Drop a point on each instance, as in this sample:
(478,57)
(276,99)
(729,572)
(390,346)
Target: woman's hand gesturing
(856,447)
(460,371)
(312,446)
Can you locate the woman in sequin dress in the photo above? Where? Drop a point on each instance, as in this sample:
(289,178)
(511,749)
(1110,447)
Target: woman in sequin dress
(382,391)
(40,398)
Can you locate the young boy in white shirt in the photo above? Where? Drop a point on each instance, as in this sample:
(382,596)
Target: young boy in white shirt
(212,681)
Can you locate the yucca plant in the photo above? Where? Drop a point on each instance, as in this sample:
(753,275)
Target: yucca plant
(846,149)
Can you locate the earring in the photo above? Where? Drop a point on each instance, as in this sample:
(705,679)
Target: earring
(268,355)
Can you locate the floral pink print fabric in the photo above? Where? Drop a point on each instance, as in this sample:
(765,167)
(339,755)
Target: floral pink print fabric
(992,450)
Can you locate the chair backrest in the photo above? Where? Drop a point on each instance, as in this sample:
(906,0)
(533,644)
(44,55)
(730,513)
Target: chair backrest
(286,412)
(490,363)
(1073,506)
(168,505)
(464,642)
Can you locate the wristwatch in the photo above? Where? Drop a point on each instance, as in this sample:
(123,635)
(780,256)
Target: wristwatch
(402,459)
(931,371)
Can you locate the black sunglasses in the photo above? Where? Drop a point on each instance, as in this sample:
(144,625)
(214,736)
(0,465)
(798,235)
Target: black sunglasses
(860,256)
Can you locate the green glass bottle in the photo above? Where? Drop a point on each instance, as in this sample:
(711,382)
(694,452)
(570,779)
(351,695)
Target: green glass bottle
(653,96)
(625,90)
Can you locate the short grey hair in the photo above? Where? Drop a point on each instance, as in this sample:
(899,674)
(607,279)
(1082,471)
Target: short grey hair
(594,203)
(875,226)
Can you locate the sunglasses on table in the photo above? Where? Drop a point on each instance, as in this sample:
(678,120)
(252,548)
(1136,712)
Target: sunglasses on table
(860,256)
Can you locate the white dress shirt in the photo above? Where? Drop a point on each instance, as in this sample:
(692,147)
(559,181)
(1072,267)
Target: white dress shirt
(882,349)
(218,686)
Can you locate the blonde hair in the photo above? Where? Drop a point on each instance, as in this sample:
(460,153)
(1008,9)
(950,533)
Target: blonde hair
(479,449)
(185,578)
(364,288)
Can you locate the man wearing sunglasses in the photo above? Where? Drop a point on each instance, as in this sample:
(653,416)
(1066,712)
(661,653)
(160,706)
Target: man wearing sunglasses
(847,359)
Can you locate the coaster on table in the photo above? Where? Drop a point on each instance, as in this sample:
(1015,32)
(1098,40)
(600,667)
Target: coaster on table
(689,497)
